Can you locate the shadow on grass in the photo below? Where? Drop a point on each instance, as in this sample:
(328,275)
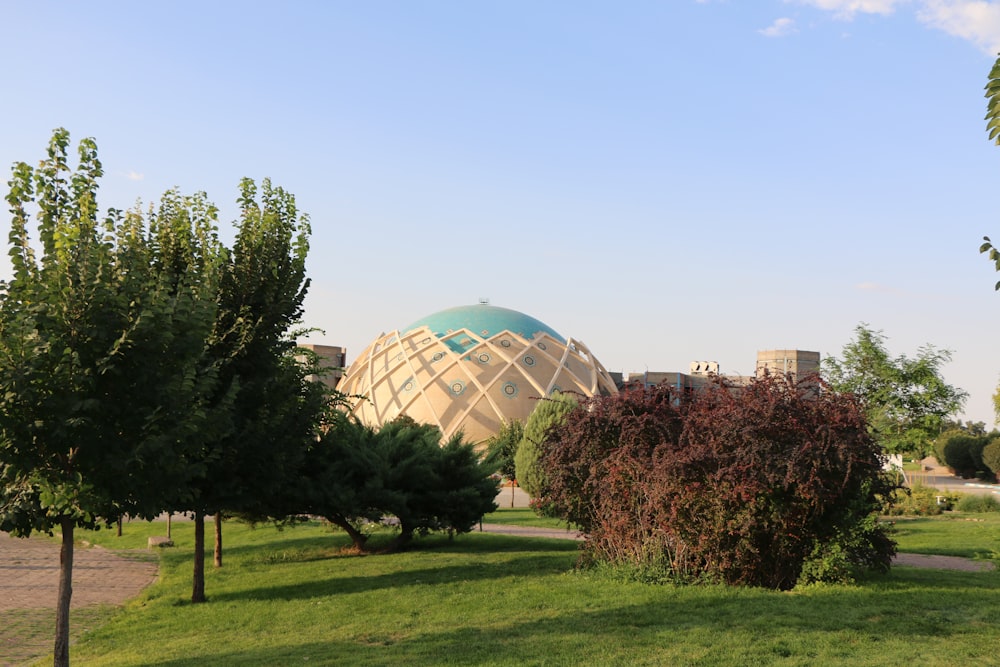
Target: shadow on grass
(729,627)
(317,547)
(350,583)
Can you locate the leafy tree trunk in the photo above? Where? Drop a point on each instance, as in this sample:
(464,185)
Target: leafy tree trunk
(358,538)
(61,654)
(218,539)
(198,589)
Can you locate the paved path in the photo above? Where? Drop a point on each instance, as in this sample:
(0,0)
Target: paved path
(29,574)
(29,586)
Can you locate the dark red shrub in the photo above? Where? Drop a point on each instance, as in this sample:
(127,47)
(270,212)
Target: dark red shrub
(742,485)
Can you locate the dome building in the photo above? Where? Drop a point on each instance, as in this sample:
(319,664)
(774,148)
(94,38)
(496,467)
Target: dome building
(469,369)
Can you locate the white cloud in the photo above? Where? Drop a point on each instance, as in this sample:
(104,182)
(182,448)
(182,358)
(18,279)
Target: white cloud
(780,28)
(846,9)
(134,176)
(974,20)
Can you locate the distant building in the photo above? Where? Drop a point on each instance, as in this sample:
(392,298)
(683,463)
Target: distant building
(796,365)
(471,368)
(331,356)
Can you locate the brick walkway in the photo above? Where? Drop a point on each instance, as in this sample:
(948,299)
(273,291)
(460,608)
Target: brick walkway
(29,574)
(29,585)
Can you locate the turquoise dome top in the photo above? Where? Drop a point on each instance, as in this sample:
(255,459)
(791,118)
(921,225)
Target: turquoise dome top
(483,320)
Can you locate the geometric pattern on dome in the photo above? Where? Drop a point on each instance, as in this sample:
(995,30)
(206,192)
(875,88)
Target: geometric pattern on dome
(484,321)
(469,374)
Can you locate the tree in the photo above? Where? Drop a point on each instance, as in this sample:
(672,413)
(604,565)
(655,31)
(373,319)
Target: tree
(548,413)
(355,474)
(271,409)
(501,449)
(991,455)
(962,451)
(426,484)
(906,400)
(104,384)
(340,478)
(996,405)
(745,486)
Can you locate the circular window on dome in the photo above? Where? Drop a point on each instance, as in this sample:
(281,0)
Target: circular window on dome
(510,389)
(457,387)
(505,343)
(541,346)
(484,358)
(485,332)
(408,385)
(555,390)
(438,356)
(425,341)
(529,361)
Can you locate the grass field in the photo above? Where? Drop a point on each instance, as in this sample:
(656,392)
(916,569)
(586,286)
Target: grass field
(293,597)
(522,516)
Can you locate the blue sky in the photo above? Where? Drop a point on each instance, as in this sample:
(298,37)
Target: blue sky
(665,181)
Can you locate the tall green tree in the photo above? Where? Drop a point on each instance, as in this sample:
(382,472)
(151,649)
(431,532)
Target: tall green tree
(265,398)
(906,400)
(547,414)
(104,381)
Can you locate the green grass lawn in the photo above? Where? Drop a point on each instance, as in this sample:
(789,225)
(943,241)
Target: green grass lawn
(522,516)
(293,597)
(972,535)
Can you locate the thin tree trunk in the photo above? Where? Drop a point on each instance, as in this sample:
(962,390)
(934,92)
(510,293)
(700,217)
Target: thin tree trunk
(119,522)
(218,539)
(198,589)
(61,654)
(512,495)
(169,515)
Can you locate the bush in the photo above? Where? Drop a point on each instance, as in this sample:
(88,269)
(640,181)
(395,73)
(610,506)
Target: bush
(919,500)
(991,456)
(962,453)
(742,486)
(973,502)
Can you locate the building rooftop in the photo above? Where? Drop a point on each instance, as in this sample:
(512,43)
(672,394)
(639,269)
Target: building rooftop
(483,320)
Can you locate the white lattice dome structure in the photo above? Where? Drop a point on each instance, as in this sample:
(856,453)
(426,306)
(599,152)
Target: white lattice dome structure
(468,369)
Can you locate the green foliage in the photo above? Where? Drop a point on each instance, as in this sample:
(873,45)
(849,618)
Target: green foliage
(355,474)
(501,448)
(906,400)
(996,405)
(104,382)
(919,500)
(974,502)
(991,455)
(962,453)
(547,414)
(105,387)
(741,487)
